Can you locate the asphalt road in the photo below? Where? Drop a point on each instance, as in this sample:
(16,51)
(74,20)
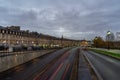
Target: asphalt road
(107,67)
(29,70)
(58,65)
(61,70)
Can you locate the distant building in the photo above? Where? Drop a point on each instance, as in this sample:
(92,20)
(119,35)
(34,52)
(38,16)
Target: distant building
(85,43)
(16,28)
(110,37)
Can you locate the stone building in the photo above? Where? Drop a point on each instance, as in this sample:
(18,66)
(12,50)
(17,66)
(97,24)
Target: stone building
(14,36)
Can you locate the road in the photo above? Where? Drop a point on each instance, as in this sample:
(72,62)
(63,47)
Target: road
(107,67)
(28,70)
(61,70)
(64,64)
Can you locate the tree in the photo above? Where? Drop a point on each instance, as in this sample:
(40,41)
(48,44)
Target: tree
(98,42)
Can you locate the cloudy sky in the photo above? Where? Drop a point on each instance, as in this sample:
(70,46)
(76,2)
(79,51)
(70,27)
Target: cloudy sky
(75,19)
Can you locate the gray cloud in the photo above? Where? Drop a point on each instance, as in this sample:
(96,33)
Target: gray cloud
(76,19)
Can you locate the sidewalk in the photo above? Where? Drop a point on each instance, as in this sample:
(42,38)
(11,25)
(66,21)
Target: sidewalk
(6,53)
(110,50)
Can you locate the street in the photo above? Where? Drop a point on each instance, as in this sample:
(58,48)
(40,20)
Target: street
(27,70)
(107,67)
(66,64)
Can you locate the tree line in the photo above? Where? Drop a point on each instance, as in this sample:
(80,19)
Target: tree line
(98,42)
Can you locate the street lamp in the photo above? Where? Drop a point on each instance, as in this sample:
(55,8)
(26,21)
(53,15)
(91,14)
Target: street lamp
(62,41)
(108,35)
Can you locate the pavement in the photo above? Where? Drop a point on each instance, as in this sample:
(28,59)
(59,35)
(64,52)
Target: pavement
(110,50)
(83,71)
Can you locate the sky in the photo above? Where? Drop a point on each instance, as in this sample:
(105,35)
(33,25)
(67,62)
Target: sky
(74,19)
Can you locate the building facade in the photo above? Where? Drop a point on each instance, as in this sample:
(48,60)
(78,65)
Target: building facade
(14,36)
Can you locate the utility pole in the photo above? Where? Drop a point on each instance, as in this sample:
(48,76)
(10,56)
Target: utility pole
(108,34)
(62,41)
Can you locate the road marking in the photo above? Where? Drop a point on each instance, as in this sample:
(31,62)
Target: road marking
(61,60)
(36,78)
(66,71)
(56,71)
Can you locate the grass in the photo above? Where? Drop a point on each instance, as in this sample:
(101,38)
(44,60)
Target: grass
(114,55)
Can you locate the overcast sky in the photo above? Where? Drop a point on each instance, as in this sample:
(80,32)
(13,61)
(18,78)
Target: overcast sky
(75,19)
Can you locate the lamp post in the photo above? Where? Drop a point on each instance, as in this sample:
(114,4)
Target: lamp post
(62,41)
(108,35)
